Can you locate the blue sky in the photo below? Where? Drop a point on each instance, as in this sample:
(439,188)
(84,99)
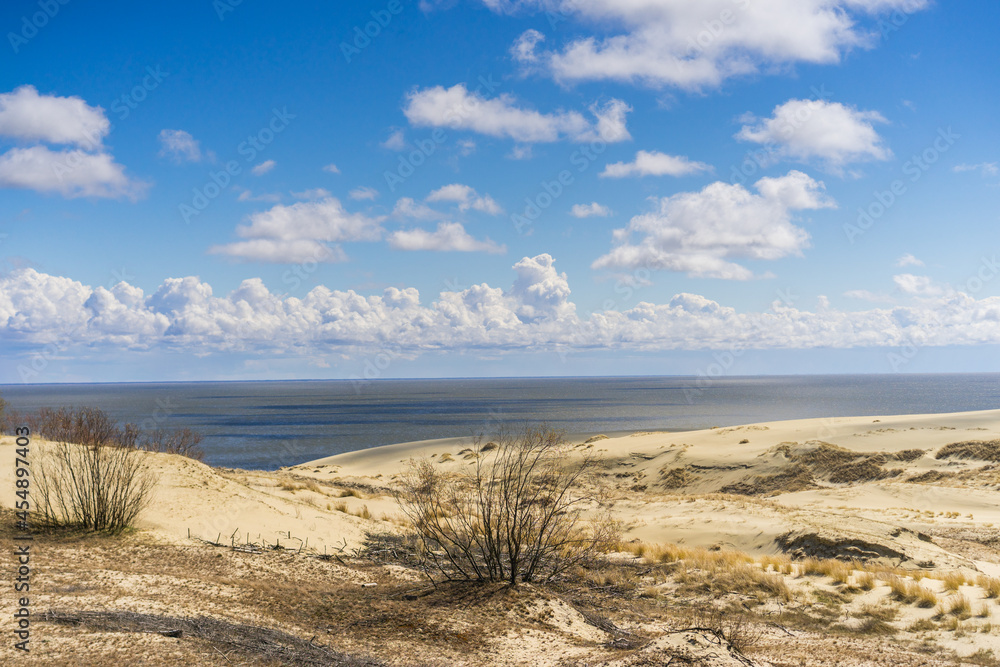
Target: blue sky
(715,157)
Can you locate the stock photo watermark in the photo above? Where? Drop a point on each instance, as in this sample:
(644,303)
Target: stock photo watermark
(31,24)
(425,148)
(363,36)
(914,169)
(249,149)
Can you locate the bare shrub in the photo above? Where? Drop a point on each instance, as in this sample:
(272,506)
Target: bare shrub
(99,487)
(184,442)
(100,482)
(735,626)
(515,515)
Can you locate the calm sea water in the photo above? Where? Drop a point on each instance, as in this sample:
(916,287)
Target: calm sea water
(265,425)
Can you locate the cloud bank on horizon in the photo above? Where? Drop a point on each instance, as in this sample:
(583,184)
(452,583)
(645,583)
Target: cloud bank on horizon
(666,144)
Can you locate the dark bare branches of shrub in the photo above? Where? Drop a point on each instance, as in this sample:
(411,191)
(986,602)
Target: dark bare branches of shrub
(99,487)
(516,515)
(94,475)
(184,442)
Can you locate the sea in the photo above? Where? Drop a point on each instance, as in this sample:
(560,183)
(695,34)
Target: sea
(267,425)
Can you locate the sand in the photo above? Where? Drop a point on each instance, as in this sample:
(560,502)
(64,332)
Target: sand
(870,488)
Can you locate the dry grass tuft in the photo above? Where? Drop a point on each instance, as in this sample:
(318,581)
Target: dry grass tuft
(990,586)
(973,449)
(956,606)
(865,581)
(953,581)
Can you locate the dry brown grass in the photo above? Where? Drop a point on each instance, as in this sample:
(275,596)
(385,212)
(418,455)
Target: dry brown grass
(953,581)
(990,586)
(973,449)
(956,606)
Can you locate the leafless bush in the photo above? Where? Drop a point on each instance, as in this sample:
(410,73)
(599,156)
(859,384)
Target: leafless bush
(737,627)
(516,515)
(94,476)
(184,442)
(99,487)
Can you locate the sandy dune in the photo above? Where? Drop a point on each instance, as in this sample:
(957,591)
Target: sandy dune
(900,494)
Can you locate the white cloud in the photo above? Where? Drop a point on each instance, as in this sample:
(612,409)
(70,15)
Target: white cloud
(654,163)
(908,260)
(589,210)
(332,168)
(179,145)
(27,116)
(984,168)
(448,237)
(299,232)
(395,142)
(281,251)
(523,49)
(835,134)
(466,197)
(407,208)
(263,167)
(459,109)
(520,153)
(701,232)
(314,193)
(247,195)
(693,44)
(466,147)
(84,171)
(71,173)
(363,192)
(917,285)
(536,312)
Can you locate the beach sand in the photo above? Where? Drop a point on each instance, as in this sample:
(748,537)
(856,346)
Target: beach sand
(883,491)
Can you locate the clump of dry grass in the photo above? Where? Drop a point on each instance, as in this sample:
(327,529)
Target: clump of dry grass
(910,592)
(865,581)
(953,581)
(972,449)
(990,586)
(292,486)
(956,606)
(781,564)
(352,493)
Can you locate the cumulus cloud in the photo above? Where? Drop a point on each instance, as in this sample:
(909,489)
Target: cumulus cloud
(71,173)
(459,109)
(408,209)
(363,192)
(263,167)
(247,195)
(535,313)
(314,193)
(300,232)
(27,116)
(917,285)
(908,260)
(984,168)
(523,49)
(466,197)
(692,44)
(699,233)
(830,132)
(395,142)
(332,168)
(448,237)
(654,163)
(84,170)
(179,146)
(590,210)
